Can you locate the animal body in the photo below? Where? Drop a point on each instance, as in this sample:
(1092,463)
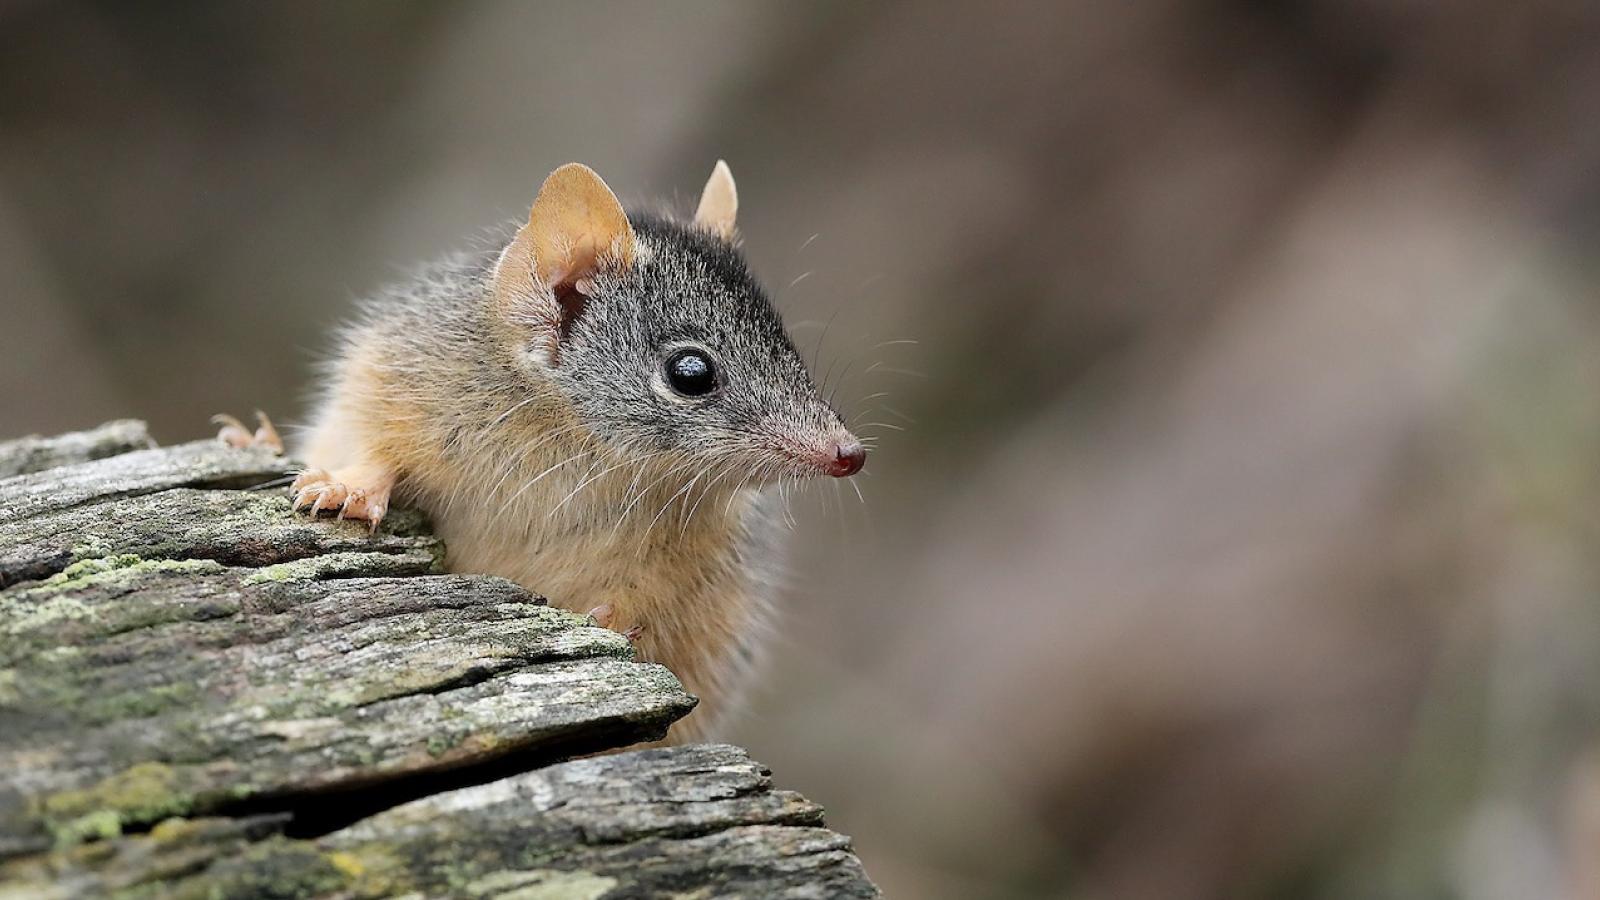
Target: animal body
(597,407)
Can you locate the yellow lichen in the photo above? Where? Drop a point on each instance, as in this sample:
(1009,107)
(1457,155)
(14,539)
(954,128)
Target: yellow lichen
(348,863)
(141,793)
(174,829)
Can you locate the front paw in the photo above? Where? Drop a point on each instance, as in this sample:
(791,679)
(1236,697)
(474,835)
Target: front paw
(317,490)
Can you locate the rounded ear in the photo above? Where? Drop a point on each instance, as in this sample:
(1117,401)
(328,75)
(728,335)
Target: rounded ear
(575,226)
(719,203)
(574,221)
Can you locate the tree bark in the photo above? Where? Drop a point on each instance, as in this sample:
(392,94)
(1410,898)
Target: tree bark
(203,693)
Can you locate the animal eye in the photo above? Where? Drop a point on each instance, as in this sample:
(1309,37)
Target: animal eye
(691,373)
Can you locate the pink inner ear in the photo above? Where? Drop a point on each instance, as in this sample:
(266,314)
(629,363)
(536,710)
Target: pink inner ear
(571,299)
(557,275)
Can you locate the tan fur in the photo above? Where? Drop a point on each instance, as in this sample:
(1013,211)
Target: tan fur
(680,577)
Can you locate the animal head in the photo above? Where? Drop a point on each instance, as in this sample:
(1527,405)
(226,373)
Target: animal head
(658,336)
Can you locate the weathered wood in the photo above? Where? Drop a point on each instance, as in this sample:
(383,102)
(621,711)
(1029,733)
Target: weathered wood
(200,688)
(698,821)
(35,453)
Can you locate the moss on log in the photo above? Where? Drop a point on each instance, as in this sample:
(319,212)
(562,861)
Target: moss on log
(204,694)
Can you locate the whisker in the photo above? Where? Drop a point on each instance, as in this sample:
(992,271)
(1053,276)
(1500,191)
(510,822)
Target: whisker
(688,516)
(664,507)
(880,367)
(537,478)
(788,508)
(843,375)
(728,507)
(706,491)
(643,492)
(588,480)
(502,417)
(517,461)
(822,339)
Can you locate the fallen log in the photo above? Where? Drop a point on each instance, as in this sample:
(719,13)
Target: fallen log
(204,694)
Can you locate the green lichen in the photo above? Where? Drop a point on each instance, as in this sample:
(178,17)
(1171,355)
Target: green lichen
(99,825)
(140,703)
(299,570)
(145,792)
(441,743)
(335,565)
(18,617)
(86,567)
(59,598)
(93,546)
(101,570)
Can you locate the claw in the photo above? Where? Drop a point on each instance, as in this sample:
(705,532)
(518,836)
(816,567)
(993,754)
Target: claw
(266,435)
(327,498)
(233,433)
(356,495)
(236,434)
(316,490)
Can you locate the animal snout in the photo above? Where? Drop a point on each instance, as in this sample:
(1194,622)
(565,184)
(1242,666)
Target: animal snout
(848,458)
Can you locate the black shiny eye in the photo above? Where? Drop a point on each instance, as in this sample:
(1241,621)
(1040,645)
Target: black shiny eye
(691,373)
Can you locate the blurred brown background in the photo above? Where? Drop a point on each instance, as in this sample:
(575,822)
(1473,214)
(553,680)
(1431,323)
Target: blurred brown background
(1241,540)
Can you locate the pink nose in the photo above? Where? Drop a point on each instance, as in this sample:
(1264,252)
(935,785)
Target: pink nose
(848,459)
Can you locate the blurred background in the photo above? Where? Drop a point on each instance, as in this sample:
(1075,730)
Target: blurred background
(1235,530)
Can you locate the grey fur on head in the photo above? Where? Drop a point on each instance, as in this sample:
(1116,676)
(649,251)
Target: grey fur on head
(685,287)
(689,289)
